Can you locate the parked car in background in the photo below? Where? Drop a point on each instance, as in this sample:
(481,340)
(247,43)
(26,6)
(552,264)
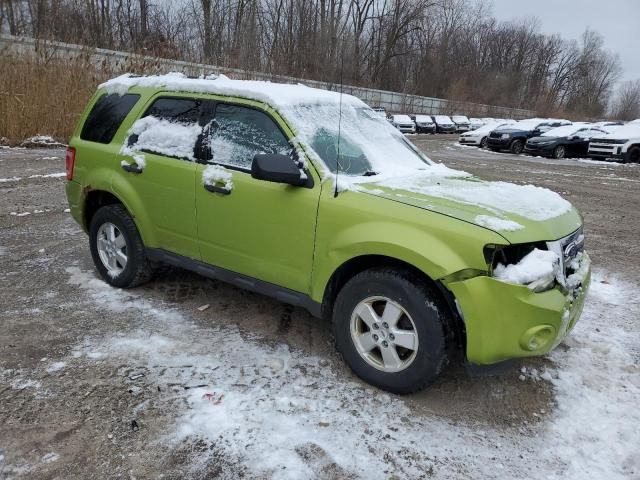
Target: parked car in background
(478,137)
(444,124)
(513,137)
(622,144)
(475,123)
(462,123)
(381,111)
(403,123)
(551,123)
(424,124)
(566,141)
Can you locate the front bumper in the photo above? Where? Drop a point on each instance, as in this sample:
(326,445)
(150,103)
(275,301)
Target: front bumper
(606,151)
(469,140)
(505,320)
(499,143)
(542,150)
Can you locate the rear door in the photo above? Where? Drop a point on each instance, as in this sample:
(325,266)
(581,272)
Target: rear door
(162,140)
(260,229)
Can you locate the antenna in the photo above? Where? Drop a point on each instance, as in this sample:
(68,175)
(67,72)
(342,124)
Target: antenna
(335,192)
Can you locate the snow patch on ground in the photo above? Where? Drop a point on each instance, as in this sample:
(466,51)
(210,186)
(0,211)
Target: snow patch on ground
(286,414)
(55,366)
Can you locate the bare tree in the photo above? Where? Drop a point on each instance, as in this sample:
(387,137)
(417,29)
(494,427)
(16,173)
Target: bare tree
(626,105)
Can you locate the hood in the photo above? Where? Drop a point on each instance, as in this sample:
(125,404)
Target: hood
(535,140)
(511,131)
(519,213)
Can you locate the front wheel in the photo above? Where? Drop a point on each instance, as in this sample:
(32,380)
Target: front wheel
(483,142)
(117,249)
(559,152)
(516,147)
(634,155)
(389,327)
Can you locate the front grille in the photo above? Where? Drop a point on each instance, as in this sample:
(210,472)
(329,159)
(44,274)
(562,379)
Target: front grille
(568,249)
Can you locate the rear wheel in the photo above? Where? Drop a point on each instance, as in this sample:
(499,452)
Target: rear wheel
(634,155)
(389,327)
(516,147)
(117,249)
(559,152)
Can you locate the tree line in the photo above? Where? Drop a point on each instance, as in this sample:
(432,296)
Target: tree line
(451,49)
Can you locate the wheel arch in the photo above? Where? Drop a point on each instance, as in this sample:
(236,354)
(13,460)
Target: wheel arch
(456,333)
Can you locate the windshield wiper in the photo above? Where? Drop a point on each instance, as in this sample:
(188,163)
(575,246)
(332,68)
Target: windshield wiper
(369,173)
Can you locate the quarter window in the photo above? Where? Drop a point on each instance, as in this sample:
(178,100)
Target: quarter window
(239,133)
(105,117)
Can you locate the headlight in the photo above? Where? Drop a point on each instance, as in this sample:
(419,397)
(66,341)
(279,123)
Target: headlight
(547,142)
(530,264)
(504,136)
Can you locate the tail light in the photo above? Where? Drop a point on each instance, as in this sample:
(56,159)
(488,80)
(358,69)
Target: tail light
(70,160)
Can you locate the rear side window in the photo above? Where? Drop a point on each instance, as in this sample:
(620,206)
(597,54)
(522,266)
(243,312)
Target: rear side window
(182,110)
(170,127)
(106,116)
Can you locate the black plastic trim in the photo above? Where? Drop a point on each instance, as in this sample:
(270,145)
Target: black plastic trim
(239,280)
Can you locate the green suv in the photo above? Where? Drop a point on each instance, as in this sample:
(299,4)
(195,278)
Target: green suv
(310,197)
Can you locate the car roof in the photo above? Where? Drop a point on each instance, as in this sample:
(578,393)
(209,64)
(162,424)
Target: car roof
(276,94)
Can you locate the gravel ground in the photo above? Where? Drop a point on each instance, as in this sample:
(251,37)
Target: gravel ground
(101,383)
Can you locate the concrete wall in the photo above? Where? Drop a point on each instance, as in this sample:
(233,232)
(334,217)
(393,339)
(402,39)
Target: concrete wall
(121,61)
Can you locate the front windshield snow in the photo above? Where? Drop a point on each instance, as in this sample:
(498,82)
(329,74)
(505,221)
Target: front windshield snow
(368,144)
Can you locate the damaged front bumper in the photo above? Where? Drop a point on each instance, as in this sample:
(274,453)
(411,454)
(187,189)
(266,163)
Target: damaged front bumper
(505,320)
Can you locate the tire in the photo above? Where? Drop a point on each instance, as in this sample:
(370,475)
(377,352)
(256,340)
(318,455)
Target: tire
(137,268)
(633,156)
(483,142)
(423,317)
(559,152)
(516,147)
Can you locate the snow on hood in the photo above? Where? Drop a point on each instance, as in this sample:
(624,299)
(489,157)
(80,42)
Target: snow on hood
(630,130)
(528,201)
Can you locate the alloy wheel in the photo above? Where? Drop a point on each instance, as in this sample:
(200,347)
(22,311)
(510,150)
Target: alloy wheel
(112,248)
(384,334)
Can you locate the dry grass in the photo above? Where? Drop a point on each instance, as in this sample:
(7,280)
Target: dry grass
(44,94)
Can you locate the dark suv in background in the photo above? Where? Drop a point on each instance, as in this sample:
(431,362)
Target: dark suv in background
(514,137)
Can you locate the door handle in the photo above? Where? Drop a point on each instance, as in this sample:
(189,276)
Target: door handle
(217,189)
(133,168)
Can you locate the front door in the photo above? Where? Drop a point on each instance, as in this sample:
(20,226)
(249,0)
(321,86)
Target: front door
(260,229)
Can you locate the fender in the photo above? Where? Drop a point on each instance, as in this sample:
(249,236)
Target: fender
(409,243)
(129,197)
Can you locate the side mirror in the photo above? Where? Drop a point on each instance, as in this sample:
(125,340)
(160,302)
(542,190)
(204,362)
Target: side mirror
(277,168)
(536,132)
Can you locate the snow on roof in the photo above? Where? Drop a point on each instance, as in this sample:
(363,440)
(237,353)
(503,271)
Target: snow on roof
(625,131)
(276,94)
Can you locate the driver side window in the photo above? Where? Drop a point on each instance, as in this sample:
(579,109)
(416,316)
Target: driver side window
(239,133)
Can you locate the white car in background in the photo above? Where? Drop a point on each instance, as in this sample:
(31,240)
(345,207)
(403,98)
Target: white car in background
(622,144)
(403,123)
(478,137)
(475,123)
(462,123)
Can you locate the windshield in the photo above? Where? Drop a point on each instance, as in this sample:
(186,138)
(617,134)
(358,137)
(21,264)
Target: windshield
(423,118)
(460,118)
(563,131)
(402,118)
(442,119)
(369,145)
(630,130)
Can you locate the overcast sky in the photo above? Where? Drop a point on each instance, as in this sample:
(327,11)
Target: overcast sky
(618,21)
